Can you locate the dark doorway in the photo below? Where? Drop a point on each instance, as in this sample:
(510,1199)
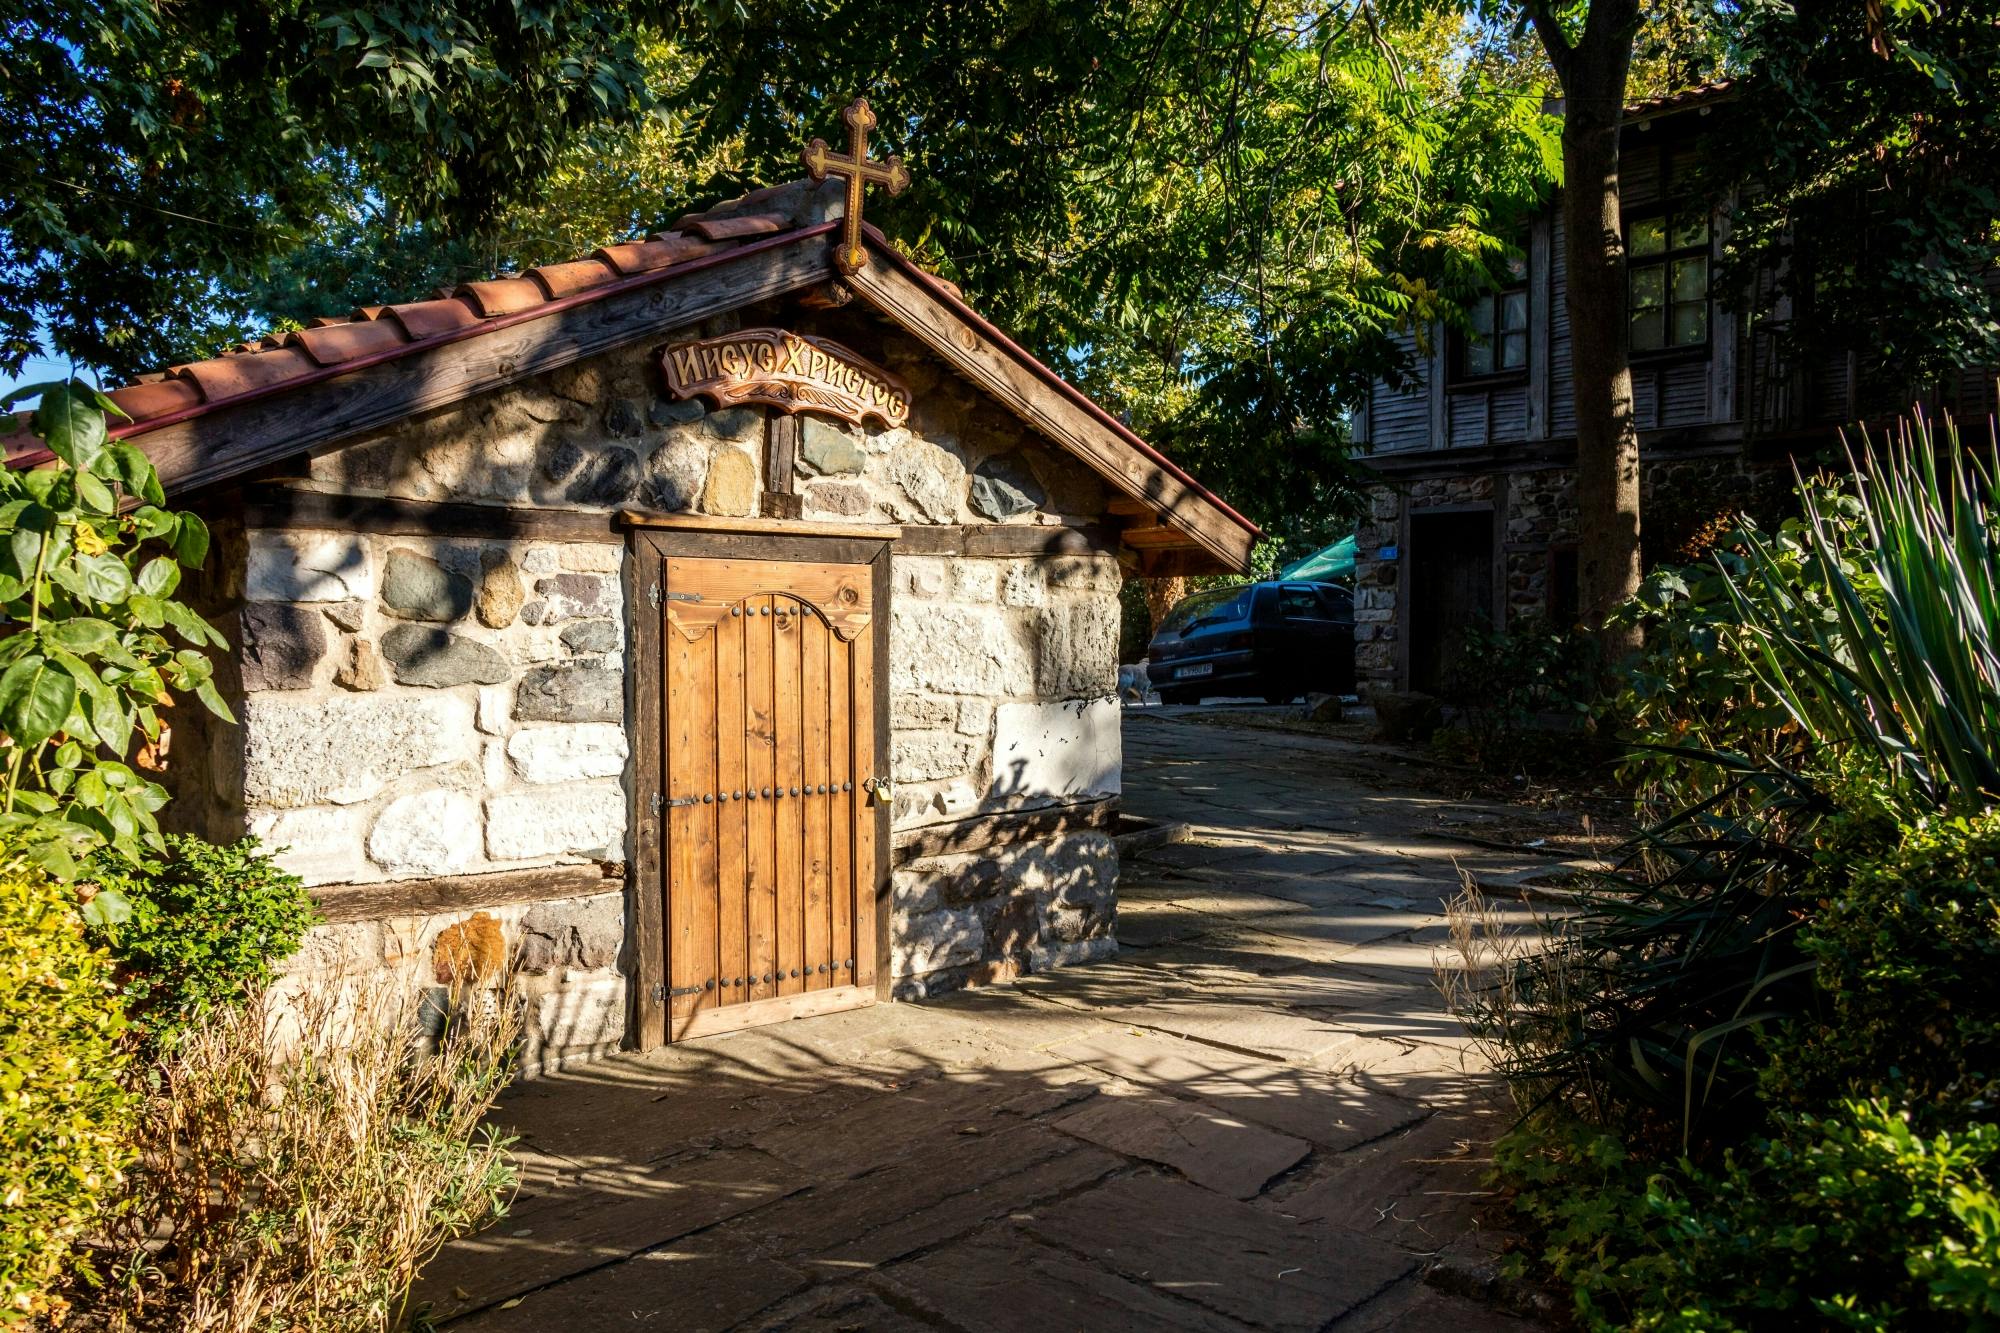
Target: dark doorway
(1450,591)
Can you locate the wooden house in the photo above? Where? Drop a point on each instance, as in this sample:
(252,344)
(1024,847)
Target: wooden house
(1473,521)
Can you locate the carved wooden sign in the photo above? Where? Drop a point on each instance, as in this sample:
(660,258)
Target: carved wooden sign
(793,372)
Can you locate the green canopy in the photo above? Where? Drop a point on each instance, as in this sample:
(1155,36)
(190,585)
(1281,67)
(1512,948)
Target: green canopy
(1329,564)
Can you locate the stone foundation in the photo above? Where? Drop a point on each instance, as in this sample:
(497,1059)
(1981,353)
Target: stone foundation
(567,956)
(996,913)
(1537,516)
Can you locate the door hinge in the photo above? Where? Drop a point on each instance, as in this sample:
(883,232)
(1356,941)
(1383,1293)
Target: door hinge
(659,991)
(656,596)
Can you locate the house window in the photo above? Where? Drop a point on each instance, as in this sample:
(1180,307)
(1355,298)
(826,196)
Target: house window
(1667,267)
(1497,340)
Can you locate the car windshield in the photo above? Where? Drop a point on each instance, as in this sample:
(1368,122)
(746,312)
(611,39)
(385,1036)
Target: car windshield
(1214,604)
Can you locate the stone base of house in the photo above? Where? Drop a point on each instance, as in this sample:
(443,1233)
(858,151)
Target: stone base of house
(997,913)
(960,920)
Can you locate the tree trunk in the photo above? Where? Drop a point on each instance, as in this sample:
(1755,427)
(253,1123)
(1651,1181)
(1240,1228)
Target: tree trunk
(1161,594)
(1593,74)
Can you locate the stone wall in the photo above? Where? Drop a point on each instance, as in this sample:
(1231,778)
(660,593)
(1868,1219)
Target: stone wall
(416,707)
(1681,497)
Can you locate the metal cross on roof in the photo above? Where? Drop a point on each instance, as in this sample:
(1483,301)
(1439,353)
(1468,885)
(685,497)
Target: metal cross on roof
(821,162)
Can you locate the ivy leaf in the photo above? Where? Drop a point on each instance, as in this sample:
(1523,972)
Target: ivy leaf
(35,699)
(107,907)
(70,424)
(191,541)
(160,577)
(105,578)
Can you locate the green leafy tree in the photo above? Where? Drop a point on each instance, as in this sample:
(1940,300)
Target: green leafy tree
(95,644)
(1871,133)
(158,158)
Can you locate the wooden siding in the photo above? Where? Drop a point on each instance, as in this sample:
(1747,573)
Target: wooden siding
(1401,419)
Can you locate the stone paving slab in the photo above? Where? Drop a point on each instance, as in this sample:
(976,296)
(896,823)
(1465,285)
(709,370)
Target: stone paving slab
(1242,1262)
(1200,1142)
(1256,1116)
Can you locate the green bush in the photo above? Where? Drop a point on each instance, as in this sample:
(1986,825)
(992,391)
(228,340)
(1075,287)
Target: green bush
(64,1120)
(1521,697)
(1908,951)
(1851,1220)
(208,925)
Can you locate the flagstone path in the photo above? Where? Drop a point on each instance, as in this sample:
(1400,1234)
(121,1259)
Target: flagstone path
(1256,1117)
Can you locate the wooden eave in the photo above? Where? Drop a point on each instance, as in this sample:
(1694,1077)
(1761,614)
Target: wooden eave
(1168,521)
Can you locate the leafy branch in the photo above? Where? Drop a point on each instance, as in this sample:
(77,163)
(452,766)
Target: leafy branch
(95,644)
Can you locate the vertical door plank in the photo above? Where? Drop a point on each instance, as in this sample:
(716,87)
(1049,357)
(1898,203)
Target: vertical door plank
(730,819)
(840,823)
(691,845)
(790,825)
(818,922)
(760,756)
(862,697)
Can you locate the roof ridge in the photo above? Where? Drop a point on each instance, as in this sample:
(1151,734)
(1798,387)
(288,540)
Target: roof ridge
(326,341)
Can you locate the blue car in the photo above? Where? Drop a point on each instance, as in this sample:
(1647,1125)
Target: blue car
(1279,640)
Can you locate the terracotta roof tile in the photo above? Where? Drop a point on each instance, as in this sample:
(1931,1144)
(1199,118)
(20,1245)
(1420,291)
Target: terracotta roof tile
(369,311)
(321,321)
(335,343)
(1700,94)
(139,401)
(630,257)
(502,296)
(227,376)
(733,227)
(428,319)
(578,275)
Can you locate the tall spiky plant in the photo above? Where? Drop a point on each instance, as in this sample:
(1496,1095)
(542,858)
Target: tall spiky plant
(1903,663)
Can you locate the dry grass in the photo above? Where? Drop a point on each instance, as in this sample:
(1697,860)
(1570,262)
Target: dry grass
(300,1166)
(1516,988)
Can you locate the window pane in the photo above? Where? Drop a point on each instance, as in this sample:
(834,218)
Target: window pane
(1690,228)
(1481,315)
(1691,279)
(1649,329)
(1517,268)
(1690,323)
(1514,311)
(1649,287)
(1649,236)
(1479,358)
(1514,350)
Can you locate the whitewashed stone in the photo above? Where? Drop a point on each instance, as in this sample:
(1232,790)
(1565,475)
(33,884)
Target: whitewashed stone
(591,557)
(574,1022)
(920,575)
(571,821)
(954,798)
(975,581)
(975,717)
(1069,750)
(321,844)
(1076,650)
(927,941)
(307,567)
(429,833)
(493,764)
(919,712)
(926,756)
(1024,586)
(932,478)
(541,560)
(346,749)
(957,650)
(496,702)
(568,753)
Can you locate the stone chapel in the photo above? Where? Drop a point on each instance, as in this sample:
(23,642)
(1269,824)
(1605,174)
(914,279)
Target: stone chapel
(721,630)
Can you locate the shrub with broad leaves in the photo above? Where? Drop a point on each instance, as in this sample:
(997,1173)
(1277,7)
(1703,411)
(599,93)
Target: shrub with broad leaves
(93,644)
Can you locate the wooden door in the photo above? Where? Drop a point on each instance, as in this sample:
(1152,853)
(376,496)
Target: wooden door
(772,852)
(1451,590)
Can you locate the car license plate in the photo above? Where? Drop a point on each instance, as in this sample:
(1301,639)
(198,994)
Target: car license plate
(1190,672)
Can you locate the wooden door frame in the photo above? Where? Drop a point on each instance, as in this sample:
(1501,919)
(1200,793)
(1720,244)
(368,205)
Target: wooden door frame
(649,541)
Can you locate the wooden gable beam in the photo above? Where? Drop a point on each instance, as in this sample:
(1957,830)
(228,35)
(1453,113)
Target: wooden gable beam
(230,441)
(1195,521)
